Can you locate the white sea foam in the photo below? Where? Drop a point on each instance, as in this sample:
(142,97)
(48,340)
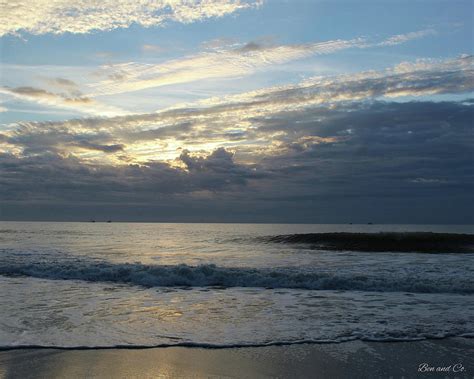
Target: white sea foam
(227,277)
(79,314)
(215,285)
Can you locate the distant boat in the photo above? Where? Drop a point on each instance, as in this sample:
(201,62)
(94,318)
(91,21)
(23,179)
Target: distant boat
(92,220)
(109,221)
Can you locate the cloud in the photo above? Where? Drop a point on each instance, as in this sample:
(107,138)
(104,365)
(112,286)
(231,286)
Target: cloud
(218,63)
(252,46)
(86,16)
(58,140)
(224,59)
(406,79)
(383,158)
(402,38)
(428,180)
(41,94)
(147,48)
(72,98)
(63,83)
(96,147)
(243,121)
(318,151)
(33,92)
(219,43)
(60,178)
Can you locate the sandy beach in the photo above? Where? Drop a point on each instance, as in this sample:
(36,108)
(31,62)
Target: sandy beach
(356,359)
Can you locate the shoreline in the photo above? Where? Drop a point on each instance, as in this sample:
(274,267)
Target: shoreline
(209,346)
(354,359)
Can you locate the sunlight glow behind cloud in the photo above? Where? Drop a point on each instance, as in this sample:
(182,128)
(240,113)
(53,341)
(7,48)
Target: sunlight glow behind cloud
(287,108)
(235,121)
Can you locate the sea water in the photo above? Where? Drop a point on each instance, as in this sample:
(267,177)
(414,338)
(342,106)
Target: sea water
(132,284)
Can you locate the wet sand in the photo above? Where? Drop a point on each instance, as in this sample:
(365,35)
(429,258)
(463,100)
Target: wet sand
(354,359)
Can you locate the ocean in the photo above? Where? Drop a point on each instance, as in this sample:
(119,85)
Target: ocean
(227,285)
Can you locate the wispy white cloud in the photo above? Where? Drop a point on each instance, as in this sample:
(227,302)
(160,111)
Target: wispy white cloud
(420,78)
(402,38)
(85,16)
(226,59)
(78,89)
(147,48)
(219,63)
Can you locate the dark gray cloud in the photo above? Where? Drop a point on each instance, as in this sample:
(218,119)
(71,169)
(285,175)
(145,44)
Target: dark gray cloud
(57,178)
(252,46)
(35,140)
(104,148)
(382,148)
(218,170)
(357,162)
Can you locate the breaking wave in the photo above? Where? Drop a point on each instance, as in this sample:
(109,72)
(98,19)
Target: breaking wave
(424,242)
(226,277)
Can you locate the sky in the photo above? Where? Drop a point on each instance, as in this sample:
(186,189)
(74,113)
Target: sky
(302,111)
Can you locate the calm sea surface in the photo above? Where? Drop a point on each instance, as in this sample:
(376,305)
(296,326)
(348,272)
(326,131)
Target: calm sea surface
(110,284)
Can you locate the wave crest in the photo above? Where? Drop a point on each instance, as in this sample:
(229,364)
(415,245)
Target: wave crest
(426,242)
(226,277)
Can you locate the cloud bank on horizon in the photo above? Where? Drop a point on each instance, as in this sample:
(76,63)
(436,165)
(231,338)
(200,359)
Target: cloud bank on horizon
(228,124)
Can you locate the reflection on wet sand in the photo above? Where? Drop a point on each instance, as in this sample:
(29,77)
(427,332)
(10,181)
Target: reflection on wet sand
(356,359)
